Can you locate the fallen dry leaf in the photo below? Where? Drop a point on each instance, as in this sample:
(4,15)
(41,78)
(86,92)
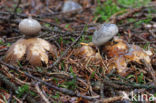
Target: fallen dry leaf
(136,54)
(123,53)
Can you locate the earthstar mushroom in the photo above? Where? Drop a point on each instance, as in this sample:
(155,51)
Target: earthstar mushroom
(34,50)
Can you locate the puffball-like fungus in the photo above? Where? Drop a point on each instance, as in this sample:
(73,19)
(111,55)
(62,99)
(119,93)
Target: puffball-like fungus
(70,6)
(104,33)
(35,50)
(29,26)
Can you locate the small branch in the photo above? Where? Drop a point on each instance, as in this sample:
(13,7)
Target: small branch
(8,84)
(40,93)
(123,85)
(11,97)
(13,87)
(19,101)
(109,100)
(150,70)
(15,10)
(125,15)
(131,12)
(120,5)
(63,90)
(134,85)
(102,90)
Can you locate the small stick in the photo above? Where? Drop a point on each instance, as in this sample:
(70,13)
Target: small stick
(110,100)
(63,90)
(150,70)
(126,15)
(40,93)
(15,10)
(19,101)
(13,87)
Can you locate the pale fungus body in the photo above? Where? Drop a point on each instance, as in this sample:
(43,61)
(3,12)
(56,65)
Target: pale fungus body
(29,27)
(104,33)
(70,6)
(34,50)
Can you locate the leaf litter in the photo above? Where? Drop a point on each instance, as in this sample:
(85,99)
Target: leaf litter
(126,63)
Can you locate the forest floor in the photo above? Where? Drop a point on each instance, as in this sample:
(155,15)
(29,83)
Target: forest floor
(123,72)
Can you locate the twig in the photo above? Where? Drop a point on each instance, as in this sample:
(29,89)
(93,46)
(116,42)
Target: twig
(63,90)
(129,23)
(10,98)
(120,5)
(126,15)
(40,93)
(131,12)
(11,76)
(150,42)
(130,85)
(150,70)
(152,33)
(53,24)
(141,38)
(13,87)
(19,101)
(4,49)
(101,90)
(9,85)
(15,10)
(108,100)
(135,85)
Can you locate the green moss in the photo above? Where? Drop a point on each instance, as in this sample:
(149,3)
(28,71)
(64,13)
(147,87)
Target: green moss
(108,8)
(141,78)
(134,3)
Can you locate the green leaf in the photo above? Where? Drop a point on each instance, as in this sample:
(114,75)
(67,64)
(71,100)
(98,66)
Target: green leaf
(19,64)
(141,78)
(22,90)
(56,96)
(92,75)
(67,25)
(47,25)
(108,8)
(1,42)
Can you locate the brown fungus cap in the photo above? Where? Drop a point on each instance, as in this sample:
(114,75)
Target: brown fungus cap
(29,27)
(35,50)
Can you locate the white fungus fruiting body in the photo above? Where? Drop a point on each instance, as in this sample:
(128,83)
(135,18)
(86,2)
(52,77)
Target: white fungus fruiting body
(70,6)
(104,34)
(29,27)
